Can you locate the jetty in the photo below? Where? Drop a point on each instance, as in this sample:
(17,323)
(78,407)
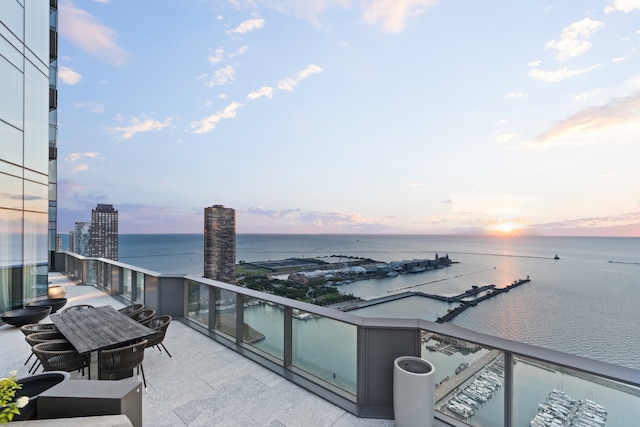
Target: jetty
(466,304)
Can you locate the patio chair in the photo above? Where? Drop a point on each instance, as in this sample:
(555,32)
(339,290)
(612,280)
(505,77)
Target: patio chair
(77,307)
(132,310)
(124,358)
(160,325)
(144,316)
(37,338)
(59,355)
(31,328)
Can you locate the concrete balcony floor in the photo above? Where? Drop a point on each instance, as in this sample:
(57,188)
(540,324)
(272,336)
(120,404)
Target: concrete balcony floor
(204,384)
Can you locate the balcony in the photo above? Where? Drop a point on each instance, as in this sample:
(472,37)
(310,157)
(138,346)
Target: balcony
(342,361)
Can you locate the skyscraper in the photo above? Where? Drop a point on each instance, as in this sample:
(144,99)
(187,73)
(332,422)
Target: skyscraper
(82,239)
(28,55)
(104,232)
(220,244)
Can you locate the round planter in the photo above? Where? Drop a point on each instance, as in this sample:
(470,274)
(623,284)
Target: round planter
(414,390)
(55,303)
(32,387)
(22,316)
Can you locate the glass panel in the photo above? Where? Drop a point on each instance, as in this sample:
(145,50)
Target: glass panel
(546,393)
(226,312)
(264,326)
(37,29)
(36,197)
(10,254)
(10,52)
(198,302)
(126,283)
(35,275)
(36,118)
(11,192)
(469,380)
(325,348)
(11,101)
(139,287)
(12,15)
(92,271)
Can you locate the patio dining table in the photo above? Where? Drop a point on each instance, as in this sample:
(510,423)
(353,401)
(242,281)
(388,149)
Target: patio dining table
(98,328)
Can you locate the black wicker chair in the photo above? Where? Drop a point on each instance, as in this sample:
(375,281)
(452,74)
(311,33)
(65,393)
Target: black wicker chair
(37,338)
(124,358)
(144,316)
(37,327)
(160,325)
(59,355)
(132,310)
(77,307)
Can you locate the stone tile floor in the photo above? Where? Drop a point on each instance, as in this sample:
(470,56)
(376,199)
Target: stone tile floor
(204,384)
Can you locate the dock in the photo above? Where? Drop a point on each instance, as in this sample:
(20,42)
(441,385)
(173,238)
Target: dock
(456,381)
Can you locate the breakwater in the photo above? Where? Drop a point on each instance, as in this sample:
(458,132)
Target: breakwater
(466,304)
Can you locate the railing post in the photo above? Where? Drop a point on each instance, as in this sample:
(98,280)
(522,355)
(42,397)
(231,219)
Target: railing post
(288,336)
(508,389)
(239,318)
(213,309)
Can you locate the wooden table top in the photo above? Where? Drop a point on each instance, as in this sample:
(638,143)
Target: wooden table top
(98,328)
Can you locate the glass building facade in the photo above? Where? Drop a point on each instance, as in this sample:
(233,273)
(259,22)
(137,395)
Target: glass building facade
(28,50)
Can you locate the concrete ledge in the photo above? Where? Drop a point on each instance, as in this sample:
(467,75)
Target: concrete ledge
(101,421)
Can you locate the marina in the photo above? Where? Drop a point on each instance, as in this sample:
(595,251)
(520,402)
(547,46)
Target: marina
(561,410)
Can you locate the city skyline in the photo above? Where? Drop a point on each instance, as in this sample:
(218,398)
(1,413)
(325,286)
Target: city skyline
(334,116)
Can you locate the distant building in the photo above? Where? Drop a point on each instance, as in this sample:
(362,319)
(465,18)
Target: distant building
(58,242)
(104,232)
(72,241)
(220,244)
(82,239)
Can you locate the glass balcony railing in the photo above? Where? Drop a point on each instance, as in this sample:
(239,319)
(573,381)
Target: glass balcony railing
(481,380)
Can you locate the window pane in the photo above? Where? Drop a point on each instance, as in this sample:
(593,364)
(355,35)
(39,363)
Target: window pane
(325,348)
(469,380)
(198,303)
(36,129)
(11,100)
(11,190)
(36,196)
(226,312)
(37,29)
(264,326)
(12,15)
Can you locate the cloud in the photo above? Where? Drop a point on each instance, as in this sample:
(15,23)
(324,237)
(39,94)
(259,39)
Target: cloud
(240,51)
(289,83)
(596,222)
(90,106)
(263,91)
(272,214)
(573,39)
(248,25)
(490,203)
(514,95)
(74,157)
(140,124)
(625,6)
(216,56)
(208,124)
(222,76)
(584,95)
(68,76)
(80,161)
(618,111)
(83,30)
(315,220)
(558,75)
(393,14)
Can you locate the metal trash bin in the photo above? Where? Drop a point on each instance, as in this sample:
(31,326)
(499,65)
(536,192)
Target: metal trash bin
(414,390)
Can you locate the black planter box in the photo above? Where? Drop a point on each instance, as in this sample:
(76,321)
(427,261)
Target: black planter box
(82,398)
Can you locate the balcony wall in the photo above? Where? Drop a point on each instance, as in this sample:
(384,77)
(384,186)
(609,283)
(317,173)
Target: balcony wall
(348,359)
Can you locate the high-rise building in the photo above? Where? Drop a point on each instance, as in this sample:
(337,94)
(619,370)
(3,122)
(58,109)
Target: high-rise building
(220,244)
(82,239)
(104,232)
(28,75)
(72,241)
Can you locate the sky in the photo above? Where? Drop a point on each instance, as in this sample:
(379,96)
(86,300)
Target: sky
(352,116)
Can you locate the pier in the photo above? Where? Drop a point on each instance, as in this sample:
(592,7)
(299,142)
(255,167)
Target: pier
(462,307)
